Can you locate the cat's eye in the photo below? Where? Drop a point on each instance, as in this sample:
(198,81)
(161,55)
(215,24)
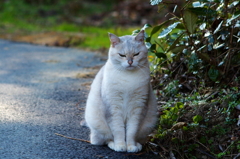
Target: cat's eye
(122,55)
(136,54)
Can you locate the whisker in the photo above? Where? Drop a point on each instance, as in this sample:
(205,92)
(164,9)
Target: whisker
(143,66)
(144,72)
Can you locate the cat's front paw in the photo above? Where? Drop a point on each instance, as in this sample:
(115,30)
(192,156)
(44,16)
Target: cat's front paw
(134,148)
(120,147)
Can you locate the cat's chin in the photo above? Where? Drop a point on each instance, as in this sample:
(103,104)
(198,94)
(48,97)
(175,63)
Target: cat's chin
(130,68)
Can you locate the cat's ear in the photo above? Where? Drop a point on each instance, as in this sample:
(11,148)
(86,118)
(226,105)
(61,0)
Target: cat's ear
(114,39)
(140,36)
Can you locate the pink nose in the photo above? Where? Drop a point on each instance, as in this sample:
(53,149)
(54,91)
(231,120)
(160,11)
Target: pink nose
(130,62)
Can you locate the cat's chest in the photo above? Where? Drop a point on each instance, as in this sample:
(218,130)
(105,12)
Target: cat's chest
(125,81)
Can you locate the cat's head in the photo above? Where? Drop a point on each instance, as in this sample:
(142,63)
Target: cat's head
(128,52)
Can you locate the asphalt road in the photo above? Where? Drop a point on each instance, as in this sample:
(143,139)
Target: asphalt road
(40,95)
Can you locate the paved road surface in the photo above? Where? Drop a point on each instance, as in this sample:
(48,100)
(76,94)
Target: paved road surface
(41,94)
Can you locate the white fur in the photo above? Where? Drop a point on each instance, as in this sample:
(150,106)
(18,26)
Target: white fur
(121,107)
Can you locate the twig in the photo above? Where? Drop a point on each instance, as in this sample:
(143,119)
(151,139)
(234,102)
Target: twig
(229,146)
(72,138)
(236,156)
(136,154)
(163,148)
(203,145)
(211,156)
(180,154)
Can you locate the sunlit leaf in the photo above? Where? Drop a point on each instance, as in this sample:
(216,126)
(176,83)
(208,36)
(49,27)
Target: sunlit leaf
(216,46)
(233,4)
(174,8)
(221,63)
(166,31)
(148,45)
(155,2)
(179,105)
(231,19)
(218,28)
(197,118)
(146,26)
(207,34)
(203,26)
(198,4)
(158,27)
(201,47)
(190,20)
(135,32)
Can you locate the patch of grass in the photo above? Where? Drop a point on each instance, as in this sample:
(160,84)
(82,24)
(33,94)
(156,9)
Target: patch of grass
(21,18)
(97,38)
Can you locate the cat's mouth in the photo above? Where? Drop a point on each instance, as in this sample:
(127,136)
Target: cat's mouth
(130,67)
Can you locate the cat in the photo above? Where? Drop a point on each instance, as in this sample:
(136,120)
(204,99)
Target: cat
(121,108)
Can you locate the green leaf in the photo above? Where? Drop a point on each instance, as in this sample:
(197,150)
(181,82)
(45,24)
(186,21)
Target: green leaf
(179,105)
(190,20)
(231,19)
(203,11)
(197,118)
(173,46)
(178,49)
(153,48)
(135,32)
(166,31)
(158,27)
(161,55)
(155,2)
(146,26)
(185,128)
(148,39)
(161,6)
(203,139)
(213,74)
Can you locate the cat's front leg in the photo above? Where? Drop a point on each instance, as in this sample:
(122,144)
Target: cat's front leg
(132,130)
(118,131)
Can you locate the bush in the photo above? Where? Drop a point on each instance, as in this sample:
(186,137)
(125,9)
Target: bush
(195,59)
(201,43)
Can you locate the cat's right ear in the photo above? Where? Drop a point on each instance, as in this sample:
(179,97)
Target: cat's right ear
(114,39)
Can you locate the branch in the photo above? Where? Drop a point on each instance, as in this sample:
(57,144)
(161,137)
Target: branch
(72,138)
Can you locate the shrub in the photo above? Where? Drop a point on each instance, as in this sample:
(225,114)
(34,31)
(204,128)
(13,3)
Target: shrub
(195,59)
(200,43)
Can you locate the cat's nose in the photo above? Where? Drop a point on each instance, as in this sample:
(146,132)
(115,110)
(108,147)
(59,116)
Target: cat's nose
(130,62)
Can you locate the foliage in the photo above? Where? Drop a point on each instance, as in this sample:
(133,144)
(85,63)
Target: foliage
(201,42)
(195,63)
(199,126)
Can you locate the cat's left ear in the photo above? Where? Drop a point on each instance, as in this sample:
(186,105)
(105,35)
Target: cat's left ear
(114,39)
(140,36)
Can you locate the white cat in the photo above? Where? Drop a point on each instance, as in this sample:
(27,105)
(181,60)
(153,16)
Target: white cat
(121,108)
